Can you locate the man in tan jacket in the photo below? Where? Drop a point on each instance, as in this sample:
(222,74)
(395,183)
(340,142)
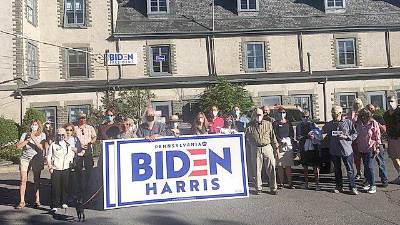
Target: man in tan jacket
(264,148)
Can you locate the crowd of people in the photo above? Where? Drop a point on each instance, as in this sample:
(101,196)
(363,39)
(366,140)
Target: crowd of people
(270,140)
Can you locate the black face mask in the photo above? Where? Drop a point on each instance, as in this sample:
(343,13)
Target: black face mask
(150,118)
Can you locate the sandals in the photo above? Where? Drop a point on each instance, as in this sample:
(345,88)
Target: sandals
(36,205)
(21,205)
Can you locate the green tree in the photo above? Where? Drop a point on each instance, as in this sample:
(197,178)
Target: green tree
(226,96)
(30,115)
(9,131)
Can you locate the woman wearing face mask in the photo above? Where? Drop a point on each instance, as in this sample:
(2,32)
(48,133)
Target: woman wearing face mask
(368,141)
(32,144)
(215,122)
(229,126)
(284,133)
(59,158)
(200,124)
(173,126)
(109,117)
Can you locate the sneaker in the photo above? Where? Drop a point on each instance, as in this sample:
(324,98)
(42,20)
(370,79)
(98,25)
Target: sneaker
(274,192)
(337,190)
(354,191)
(366,187)
(53,210)
(372,190)
(64,206)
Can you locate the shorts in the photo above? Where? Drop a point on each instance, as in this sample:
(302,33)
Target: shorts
(285,158)
(394,148)
(36,163)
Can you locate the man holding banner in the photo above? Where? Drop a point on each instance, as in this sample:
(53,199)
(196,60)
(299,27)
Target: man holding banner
(264,148)
(151,129)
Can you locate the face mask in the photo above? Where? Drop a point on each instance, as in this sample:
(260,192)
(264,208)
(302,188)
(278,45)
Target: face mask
(34,127)
(59,137)
(238,113)
(393,105)
(201,120)
(215,113)
(48,126)
(259,119)
(150,118)
(175,125)
(109,118)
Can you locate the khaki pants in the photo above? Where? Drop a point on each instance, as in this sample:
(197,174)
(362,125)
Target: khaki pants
(265,155)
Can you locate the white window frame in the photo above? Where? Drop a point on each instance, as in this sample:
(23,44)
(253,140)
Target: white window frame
(31,11)
(310,106)
(240,9)
(68,53)
(75,23)
(335,6)
(377,93)
(279,97)
(45,111)
(149,12)
(161,73)
(32,61)
(86,107)
(247,57)
(349,105)
(353,40)
(163,103)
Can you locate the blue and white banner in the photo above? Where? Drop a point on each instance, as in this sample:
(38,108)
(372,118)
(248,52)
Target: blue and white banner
(173,169)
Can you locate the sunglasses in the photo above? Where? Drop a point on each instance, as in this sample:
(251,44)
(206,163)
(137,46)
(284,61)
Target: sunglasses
(68,130)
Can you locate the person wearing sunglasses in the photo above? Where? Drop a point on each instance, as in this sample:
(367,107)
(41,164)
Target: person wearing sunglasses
(59,157)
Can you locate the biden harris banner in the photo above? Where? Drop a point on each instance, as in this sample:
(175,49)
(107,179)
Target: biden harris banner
(173,169)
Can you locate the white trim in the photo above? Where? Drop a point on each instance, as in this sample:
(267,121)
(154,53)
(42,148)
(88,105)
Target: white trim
(239,6)
(377,93)
(353,40)
(149,12)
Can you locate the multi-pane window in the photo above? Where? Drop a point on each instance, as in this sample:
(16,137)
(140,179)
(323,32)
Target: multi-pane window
(158,6)
(255,56)
(247,5)
(74,111)
(74,12)
(50,115)
(77,62)
(346,101)
(378,99)
(32,61)
(163,109)
(161,60)
(303,101)
(335,3)
(31,14)
(271,100)
(346,52)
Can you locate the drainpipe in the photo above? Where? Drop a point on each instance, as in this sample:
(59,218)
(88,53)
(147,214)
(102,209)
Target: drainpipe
(387,44)
(120,67)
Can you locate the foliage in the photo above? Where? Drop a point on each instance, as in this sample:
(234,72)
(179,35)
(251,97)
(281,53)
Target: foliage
(128,103)
(95,117)
(10,153)
(226,96)
(379,112)
(30,115)
(9,131)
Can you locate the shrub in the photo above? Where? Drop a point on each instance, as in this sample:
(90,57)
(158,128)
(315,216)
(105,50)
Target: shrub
(9,131)
(30,115)
(10,153)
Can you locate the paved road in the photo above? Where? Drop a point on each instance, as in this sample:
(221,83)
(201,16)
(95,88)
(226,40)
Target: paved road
(289,207)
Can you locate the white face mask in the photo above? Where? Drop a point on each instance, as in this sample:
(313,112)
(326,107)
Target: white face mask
(215,113)
(34,127)
(259,119)
(393,105)
(201,120)
(238,113)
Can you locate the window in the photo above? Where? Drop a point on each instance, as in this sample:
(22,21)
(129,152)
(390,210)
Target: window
(255,56)
(303,101)
(378,99)
(346,101)
(157,6)
(346,52)
(73,112)
(247,5)
(161,60)
(163,110)
(334,3)
(271,100)
(74,12)
(50,114)
(32,61)
(77,63)
(31,10)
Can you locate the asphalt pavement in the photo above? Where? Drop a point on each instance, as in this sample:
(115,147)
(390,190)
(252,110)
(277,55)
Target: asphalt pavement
(297,206)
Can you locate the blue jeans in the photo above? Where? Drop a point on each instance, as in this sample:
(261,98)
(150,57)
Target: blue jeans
(369,166)
(348,163)
(380,159)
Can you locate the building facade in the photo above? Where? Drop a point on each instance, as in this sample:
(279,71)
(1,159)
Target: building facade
(307,53)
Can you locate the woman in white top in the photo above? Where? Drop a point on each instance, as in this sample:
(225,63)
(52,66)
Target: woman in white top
(32,144)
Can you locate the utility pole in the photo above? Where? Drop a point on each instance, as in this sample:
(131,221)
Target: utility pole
(107,70)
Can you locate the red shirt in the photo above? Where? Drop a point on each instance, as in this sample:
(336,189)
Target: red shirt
(215,125)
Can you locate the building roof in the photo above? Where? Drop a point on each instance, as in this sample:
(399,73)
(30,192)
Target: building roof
(202,81)
(195,17)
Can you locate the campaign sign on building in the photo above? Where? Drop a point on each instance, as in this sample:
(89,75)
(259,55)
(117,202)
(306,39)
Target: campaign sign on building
(121,58)
(173,169)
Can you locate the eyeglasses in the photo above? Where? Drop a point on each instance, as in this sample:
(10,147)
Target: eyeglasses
(68,130)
